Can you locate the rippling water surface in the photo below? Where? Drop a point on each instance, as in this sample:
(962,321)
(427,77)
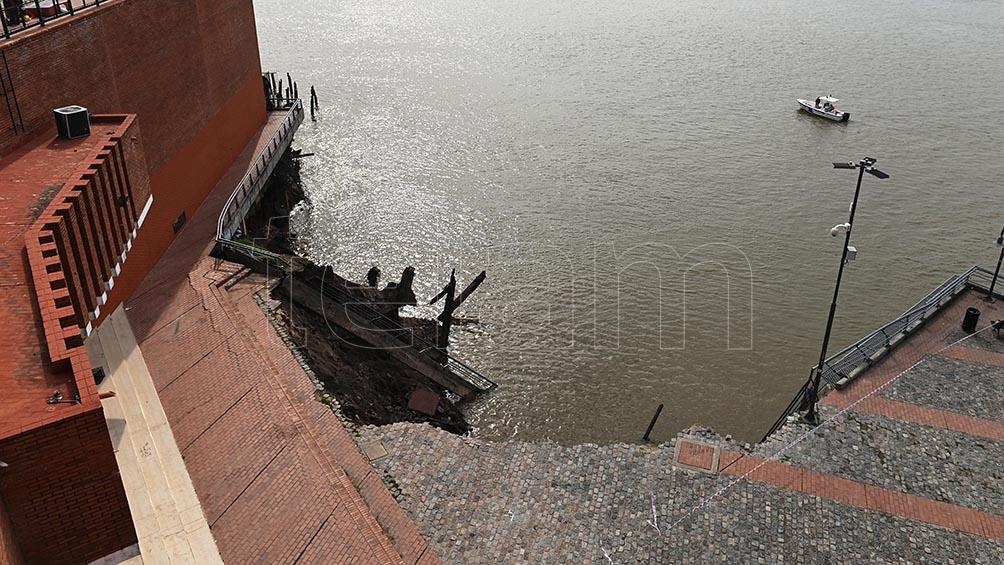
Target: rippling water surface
(650,207)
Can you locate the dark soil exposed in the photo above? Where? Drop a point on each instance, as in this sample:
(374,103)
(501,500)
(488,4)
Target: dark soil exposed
(371,386)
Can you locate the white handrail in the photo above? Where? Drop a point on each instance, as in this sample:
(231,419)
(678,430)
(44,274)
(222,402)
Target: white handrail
(249,188)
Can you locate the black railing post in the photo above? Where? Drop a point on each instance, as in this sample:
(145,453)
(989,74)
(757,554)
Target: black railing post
(38,8)
(3,21)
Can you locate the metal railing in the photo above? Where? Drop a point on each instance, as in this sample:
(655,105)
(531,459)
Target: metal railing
(847,364)
(23,16)
(843,366)
(249,189)
(980,278)
(789,410)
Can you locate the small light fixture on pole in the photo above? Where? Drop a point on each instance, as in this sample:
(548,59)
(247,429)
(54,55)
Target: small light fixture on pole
(811,398)
(993,281)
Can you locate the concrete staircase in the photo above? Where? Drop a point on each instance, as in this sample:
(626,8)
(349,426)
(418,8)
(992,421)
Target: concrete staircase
(169,521)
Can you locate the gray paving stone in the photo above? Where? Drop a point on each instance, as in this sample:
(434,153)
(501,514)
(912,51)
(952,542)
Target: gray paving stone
(519,502)
(931,462)
(950,384)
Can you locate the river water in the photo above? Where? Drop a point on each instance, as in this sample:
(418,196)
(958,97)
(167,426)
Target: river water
(652,211)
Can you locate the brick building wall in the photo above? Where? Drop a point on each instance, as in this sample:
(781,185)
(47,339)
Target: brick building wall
(10,554)
(63,494)
(189,69)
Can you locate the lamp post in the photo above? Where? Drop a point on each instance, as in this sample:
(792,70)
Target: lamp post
(993,281)
(865,165)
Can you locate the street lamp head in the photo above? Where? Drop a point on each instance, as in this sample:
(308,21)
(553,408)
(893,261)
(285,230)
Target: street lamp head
(839,229)
(866,164)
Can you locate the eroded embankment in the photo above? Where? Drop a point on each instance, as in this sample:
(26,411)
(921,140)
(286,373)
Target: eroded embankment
(370,385)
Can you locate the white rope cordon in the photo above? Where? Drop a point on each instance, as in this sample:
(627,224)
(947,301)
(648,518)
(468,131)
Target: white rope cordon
(813,430)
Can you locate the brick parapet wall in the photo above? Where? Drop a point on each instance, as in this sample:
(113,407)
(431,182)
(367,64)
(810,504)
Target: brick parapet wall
(78,245)
(62,492)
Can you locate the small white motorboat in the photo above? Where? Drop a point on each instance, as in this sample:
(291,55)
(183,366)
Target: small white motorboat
(824,108)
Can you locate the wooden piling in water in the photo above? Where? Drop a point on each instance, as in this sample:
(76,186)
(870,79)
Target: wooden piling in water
(651,424)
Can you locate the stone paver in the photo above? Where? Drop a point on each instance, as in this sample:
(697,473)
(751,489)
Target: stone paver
(987,341)
(938,464)
(484,502)
(954,385)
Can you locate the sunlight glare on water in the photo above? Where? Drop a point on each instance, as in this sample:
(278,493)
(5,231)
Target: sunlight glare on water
(652,211)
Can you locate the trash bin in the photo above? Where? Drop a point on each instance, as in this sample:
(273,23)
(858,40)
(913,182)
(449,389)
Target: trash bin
(971,319)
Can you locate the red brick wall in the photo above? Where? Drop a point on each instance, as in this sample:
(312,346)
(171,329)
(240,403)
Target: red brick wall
(182,184)
(189,69)
(77,242)
(63,493)
(174,64)
(9,552)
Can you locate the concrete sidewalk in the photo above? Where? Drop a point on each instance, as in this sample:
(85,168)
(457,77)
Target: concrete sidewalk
(169,521)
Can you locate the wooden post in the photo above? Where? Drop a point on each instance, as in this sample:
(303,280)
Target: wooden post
(451,304)
(651,424)
(446,318)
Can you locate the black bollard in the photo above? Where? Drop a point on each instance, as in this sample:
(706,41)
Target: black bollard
(652,423)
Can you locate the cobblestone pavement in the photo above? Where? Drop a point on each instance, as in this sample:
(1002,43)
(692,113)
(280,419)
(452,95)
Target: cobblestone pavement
(983,340)
(934,463)
(483,502)
(907,467)
(950,384)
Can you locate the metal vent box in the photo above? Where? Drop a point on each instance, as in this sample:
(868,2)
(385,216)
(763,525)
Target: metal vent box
(72,122)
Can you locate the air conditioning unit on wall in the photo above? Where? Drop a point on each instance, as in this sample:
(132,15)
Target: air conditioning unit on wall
(72,122)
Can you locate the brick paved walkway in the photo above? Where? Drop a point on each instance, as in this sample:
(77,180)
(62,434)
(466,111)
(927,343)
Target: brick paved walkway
(908,467)
(279,478)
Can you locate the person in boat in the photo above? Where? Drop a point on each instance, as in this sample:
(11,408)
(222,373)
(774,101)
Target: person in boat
(817,102)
